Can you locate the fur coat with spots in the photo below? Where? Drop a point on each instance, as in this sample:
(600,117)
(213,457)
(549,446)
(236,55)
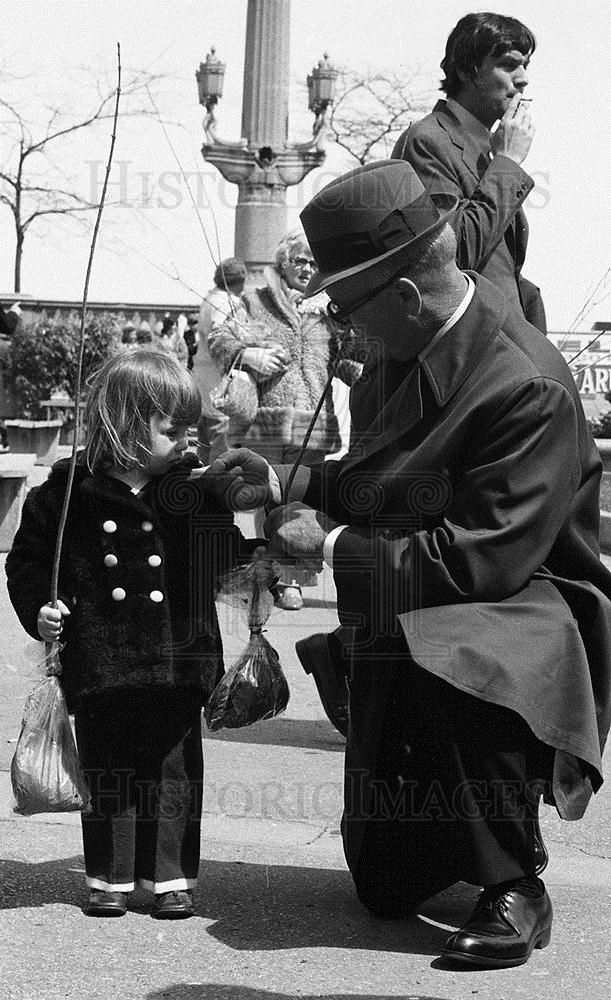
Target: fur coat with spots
(139,573)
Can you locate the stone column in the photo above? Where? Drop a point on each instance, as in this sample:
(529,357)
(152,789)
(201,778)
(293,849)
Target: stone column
(263,163)
(265,97)
(260,219)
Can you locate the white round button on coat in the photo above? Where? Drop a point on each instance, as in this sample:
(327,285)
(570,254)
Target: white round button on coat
(156,596)
(109,527)
(110,560)
(154,560)
(118,594)
(147,526)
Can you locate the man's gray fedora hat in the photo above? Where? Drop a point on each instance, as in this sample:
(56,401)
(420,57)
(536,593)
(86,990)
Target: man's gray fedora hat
(366,216)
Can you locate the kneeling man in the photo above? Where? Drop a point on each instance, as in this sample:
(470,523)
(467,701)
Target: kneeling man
(462,528)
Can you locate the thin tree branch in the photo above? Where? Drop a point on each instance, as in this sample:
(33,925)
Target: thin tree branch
(79,372)
(589,303)
(185,179)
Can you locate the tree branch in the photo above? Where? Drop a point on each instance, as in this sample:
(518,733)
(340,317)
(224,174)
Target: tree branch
(79,374)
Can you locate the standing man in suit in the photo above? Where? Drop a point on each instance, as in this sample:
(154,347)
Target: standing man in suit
(455,153)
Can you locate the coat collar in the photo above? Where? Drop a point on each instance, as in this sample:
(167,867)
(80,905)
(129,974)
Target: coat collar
(114,491)
(454,357)
(284,302)
(107,488)
(446,367)
(467,134)
(278,293)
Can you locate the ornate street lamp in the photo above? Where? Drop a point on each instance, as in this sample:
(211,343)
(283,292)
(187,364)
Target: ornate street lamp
(210,76)
(263,163)
(321,90)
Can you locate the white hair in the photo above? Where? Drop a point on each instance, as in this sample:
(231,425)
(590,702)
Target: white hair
(287,244)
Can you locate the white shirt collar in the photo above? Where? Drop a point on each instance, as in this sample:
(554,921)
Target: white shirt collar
(454,318)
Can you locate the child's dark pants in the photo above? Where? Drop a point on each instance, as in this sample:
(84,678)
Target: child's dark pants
(141,752)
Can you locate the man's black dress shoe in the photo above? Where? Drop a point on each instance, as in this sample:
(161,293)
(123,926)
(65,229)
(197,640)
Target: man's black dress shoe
(106,904)
(175,905)
(505,926)
(317,658)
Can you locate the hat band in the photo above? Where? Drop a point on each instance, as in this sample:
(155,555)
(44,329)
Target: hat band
(403,225)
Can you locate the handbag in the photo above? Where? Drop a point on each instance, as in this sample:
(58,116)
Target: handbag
(237,396)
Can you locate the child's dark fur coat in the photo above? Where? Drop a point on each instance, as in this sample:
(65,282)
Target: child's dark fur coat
(164,631)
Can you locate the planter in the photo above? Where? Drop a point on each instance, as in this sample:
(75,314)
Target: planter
(604,450)
(14,472)
(66,436)
(39,437)
(605,532)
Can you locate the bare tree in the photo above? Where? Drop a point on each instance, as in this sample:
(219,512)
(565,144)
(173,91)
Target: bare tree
(40,160)
(371,110)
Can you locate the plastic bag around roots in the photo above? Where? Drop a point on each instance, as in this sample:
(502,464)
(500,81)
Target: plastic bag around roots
(253,689)
(239,589)
(45,771)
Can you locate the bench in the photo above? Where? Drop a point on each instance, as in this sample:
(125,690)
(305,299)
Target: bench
(14,472)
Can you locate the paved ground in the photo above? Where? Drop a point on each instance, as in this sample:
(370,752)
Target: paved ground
(277,918)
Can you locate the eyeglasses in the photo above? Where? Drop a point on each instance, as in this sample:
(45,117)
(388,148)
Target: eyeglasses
(342,315)
(303,262)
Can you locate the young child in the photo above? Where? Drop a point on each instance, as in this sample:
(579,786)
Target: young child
(142,551)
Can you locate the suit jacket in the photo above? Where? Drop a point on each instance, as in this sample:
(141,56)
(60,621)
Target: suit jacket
(472,505)
(491,226)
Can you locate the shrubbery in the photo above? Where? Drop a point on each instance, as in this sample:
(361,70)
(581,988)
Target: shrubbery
(44,357)
(601,428)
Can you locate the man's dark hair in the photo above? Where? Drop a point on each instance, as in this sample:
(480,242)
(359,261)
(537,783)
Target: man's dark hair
(477,36)
(8,322)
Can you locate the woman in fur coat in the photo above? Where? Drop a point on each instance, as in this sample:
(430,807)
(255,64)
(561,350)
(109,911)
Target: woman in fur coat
(288,344)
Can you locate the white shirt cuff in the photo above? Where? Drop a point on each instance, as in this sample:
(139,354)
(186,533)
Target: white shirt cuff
(329,543)
(274,485)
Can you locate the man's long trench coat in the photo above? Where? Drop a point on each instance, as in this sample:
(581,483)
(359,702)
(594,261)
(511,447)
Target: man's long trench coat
(472,512)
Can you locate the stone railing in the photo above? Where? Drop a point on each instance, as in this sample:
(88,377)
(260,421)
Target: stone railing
(124,312)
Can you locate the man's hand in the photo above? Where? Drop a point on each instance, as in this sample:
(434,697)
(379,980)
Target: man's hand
(515,133)
(242,479)
(297,532)
(50,623)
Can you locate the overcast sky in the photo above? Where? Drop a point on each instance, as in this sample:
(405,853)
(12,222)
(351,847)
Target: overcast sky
(161,254)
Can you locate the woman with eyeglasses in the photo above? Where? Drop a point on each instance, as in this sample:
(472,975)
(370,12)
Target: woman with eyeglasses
(288,344)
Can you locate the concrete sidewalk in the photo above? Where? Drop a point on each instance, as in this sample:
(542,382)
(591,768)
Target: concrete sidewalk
(277,918)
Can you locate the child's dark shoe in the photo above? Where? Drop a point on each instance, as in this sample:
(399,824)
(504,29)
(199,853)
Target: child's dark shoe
(106,904)
(174,905)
